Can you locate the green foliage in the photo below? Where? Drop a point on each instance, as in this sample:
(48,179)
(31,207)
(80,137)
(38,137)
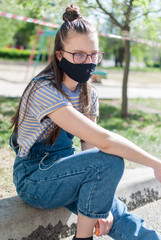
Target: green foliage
(141,3)
(24,33)
(12,53)
(7,31)
(155,64)
(52,10)
(12,29)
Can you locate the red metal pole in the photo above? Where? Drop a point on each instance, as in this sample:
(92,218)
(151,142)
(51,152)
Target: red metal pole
(39,31)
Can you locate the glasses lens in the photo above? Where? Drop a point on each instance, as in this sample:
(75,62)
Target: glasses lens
(97,57)
(79,57)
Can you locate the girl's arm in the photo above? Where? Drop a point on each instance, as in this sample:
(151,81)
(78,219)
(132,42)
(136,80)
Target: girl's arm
(86,145)
(77,124)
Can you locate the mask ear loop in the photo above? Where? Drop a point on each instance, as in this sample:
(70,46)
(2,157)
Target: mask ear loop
(45,165)
(41,162)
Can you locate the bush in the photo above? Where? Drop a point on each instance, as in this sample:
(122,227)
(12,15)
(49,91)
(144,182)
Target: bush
(23,54)
(150,63)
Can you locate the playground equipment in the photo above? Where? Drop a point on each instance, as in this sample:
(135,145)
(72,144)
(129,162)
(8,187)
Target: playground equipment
(44,33)
(98,75)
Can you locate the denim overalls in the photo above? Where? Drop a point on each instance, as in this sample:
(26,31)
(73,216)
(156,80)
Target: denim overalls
(53,176)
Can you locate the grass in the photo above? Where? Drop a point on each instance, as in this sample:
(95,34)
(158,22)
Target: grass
(143,127)
(135,69)
(147,104)
(7,109)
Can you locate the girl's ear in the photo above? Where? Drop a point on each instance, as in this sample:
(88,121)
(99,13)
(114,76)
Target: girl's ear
(58,55)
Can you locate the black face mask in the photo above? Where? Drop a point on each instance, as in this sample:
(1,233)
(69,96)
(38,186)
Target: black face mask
(78,72)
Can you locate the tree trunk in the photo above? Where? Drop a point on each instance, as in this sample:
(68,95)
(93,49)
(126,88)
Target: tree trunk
(124,109)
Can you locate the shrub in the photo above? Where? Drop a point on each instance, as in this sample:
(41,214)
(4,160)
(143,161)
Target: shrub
(23,54)
(151,63)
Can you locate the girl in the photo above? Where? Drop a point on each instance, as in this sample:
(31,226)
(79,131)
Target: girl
(57,105)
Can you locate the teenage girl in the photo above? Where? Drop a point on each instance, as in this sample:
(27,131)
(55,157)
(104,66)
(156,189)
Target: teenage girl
(58,104)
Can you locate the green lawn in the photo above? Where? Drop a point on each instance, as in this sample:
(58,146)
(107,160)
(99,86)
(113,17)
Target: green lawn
(143,127)
(7,109)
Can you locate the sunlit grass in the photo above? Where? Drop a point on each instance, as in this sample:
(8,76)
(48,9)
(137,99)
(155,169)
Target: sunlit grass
(141,127)
(8,107)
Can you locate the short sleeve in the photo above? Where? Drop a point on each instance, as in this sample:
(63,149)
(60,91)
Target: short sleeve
(94,105)
(45,99)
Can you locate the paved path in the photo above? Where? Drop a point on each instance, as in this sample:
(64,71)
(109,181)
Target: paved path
(15,77)
(110,92)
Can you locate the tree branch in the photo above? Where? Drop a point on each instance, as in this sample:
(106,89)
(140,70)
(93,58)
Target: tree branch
(128,13)
(145,14)
(109,14)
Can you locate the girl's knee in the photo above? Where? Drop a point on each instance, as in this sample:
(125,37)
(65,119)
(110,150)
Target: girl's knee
(115,163)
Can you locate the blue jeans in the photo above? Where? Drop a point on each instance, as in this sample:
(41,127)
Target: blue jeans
(53,176)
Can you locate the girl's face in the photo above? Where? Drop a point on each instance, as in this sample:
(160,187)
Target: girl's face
(79,43)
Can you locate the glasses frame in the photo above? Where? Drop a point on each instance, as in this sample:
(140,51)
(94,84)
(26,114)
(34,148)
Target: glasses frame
(87,55)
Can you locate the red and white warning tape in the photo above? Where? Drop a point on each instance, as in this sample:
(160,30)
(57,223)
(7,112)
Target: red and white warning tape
(26,19)
(143,41)
(49,24)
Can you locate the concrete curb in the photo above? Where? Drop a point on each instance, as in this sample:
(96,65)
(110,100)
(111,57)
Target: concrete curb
(17,219)
(138,187)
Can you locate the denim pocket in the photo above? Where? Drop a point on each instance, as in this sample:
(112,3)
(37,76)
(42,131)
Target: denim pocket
(31,200)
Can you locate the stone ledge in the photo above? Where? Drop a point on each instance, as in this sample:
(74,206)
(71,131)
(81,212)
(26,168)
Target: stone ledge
(18,220)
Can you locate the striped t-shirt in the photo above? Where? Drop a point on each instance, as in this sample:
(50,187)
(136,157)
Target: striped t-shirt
(44,98)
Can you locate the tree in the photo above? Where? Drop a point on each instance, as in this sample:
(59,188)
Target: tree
(148,28)
(24,33)
(7,26)
(123,14)
(11,29)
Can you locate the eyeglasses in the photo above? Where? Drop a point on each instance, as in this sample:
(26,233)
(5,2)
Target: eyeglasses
(80,57)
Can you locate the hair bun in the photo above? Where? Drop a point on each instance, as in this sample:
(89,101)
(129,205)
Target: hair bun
(72,13)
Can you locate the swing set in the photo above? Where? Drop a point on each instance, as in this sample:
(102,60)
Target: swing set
(47,32)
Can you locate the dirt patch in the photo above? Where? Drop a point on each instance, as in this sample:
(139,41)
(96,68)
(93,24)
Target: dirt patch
(6,168)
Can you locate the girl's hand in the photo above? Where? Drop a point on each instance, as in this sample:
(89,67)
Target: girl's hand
(103,226)
(157,173)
